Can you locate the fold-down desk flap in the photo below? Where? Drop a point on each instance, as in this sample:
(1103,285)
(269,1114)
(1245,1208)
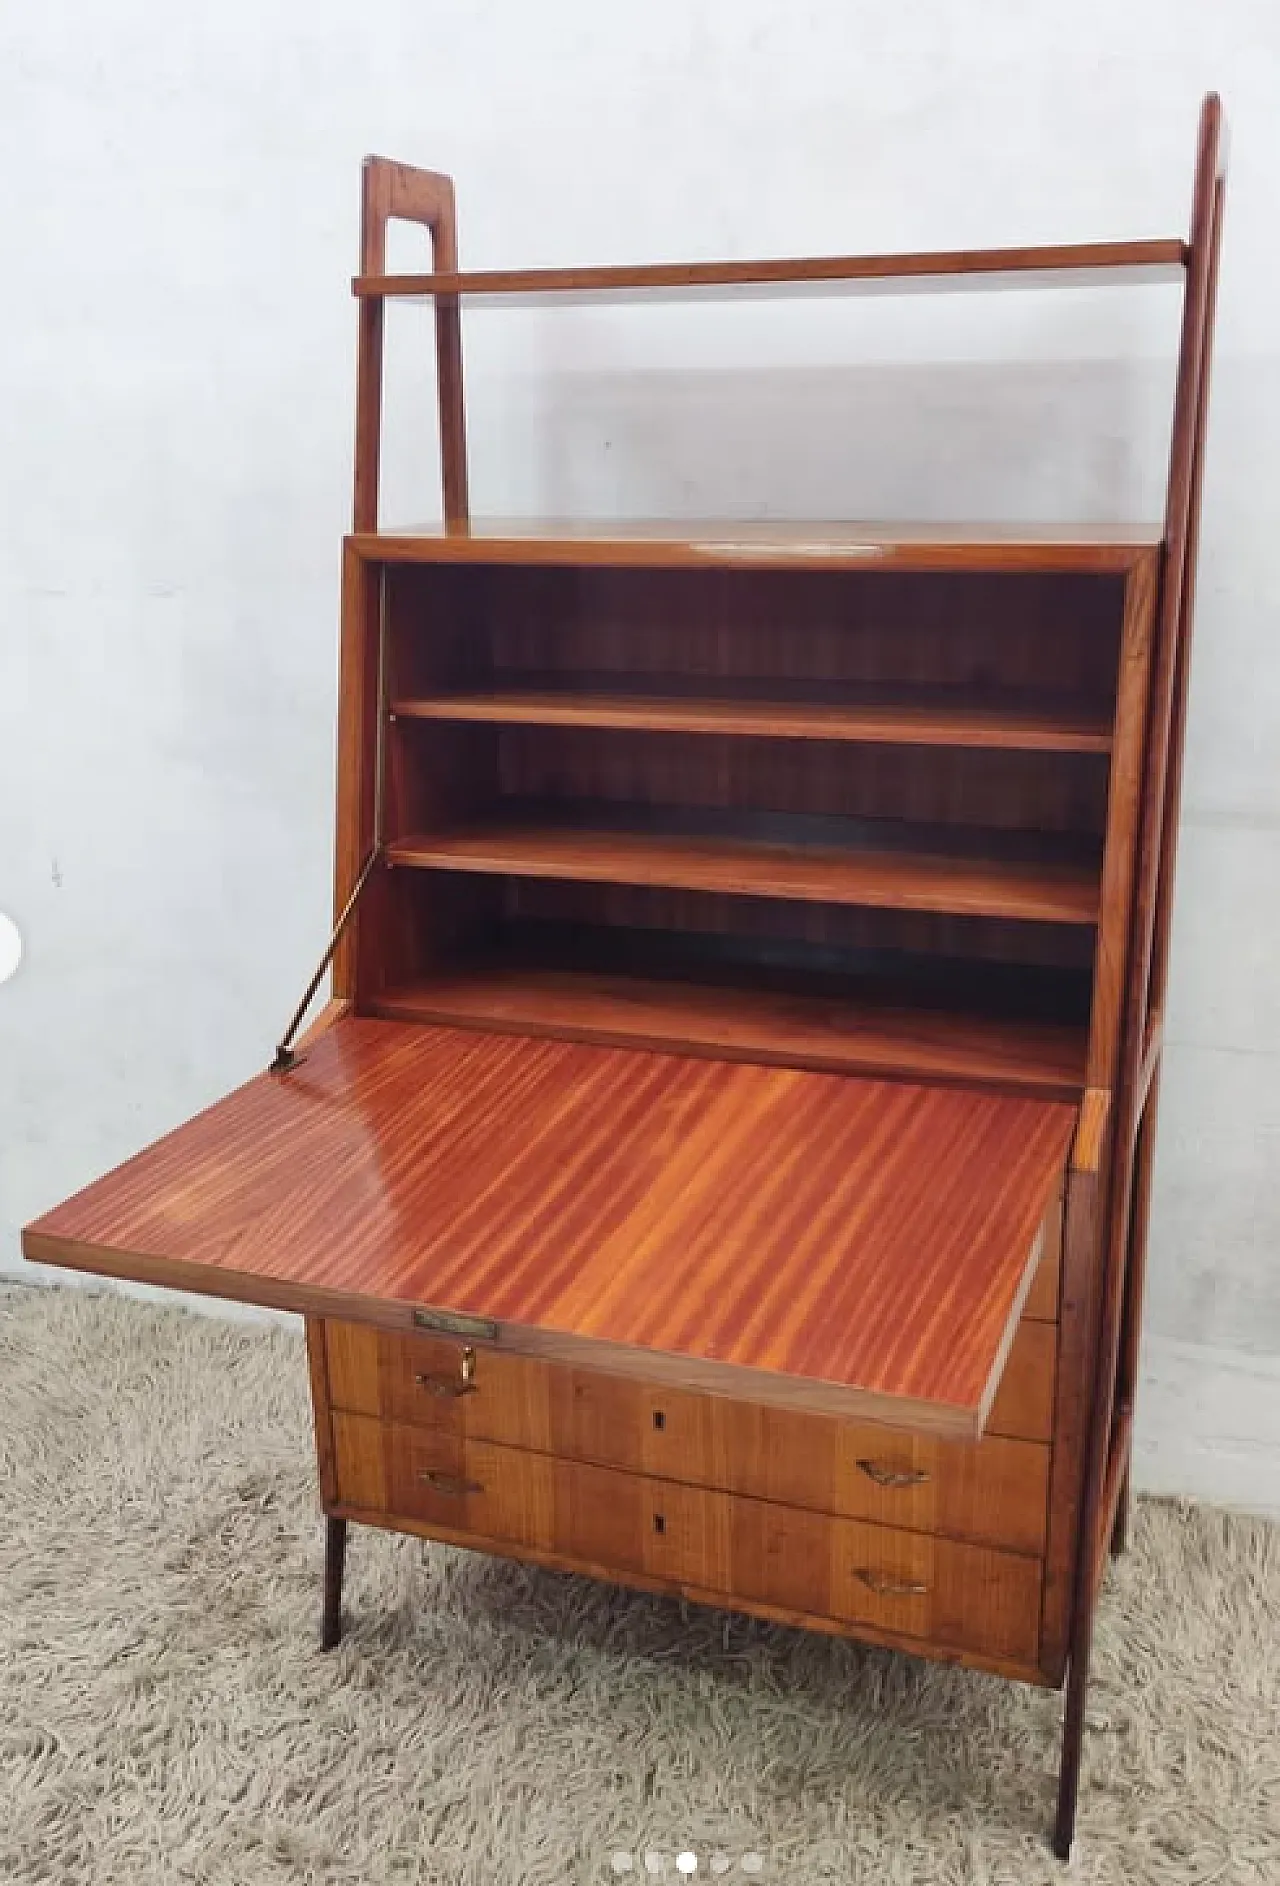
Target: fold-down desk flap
(855,1246)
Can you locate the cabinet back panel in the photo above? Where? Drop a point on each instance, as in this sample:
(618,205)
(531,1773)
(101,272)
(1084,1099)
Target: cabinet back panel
(1034,633)
(447,921)
(944,786)
(770,928)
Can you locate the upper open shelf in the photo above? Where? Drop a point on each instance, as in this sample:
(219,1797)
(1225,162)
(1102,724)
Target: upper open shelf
(1084,264)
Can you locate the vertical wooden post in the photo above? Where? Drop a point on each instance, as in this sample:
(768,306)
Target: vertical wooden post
(1158,973)
(397,191)
(1123,1254)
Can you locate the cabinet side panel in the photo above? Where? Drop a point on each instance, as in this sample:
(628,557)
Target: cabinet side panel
(357,725)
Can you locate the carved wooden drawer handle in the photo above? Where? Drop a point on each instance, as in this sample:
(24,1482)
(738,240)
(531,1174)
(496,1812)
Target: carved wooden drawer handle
(892,1476)
(449,1387)
(451,1483)
(886,1586)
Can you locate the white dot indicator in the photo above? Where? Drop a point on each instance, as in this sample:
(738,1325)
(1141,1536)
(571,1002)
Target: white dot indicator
(10,947)
(686,1862)
(753,1863)
(720,1862)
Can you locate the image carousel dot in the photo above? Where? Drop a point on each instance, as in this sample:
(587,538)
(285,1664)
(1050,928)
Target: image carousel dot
(685,1863)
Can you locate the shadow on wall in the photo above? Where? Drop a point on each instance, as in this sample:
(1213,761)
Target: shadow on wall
(1074,440)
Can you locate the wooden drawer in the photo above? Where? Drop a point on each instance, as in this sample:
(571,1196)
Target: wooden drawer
(963,1597)
(995,1491)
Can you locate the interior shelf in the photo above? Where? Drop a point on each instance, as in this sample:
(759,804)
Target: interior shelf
(893,718)
(737,1022)
(1035,890)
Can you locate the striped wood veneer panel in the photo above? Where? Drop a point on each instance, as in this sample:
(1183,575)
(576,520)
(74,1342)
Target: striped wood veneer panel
(852,1245)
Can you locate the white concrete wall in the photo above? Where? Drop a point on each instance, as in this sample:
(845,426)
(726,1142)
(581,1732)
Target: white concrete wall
(176,348)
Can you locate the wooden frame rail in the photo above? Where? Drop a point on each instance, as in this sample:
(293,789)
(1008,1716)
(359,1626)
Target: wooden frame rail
(1137,1086)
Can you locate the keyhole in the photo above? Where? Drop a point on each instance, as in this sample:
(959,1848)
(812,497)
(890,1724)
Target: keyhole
(659,1419)
(659,1522)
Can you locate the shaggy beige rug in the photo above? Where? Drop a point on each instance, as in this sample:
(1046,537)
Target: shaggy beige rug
(166,1715)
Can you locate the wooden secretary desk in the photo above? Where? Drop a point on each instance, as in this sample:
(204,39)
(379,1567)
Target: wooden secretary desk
(723,1164)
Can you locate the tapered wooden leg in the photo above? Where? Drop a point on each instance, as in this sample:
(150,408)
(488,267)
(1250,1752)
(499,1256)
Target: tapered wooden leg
(1064,1827)
(335,1552)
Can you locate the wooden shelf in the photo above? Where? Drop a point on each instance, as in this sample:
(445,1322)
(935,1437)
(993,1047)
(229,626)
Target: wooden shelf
(1060,265)
(769,544)
(752,1024)
(892,720)
(1035,891)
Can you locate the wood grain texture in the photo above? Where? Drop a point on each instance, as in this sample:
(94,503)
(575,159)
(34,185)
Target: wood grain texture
(999,640)
(1034,890)
(1089,264)
(881,721)
(993,1491)
(593,1200)
(917,1585)
(984,803)
(682,543)
(820,1032)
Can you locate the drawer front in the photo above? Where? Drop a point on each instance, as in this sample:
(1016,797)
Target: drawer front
(939,1591)
(995,1491)
(443,1479)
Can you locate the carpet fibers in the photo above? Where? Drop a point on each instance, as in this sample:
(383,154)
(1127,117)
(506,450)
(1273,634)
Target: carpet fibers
(166,1715)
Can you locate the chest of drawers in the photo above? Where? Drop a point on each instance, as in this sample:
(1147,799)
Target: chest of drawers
(807,1516)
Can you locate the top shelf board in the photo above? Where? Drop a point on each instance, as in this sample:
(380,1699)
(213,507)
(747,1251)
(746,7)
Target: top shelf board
(1065,265)
(767,544)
